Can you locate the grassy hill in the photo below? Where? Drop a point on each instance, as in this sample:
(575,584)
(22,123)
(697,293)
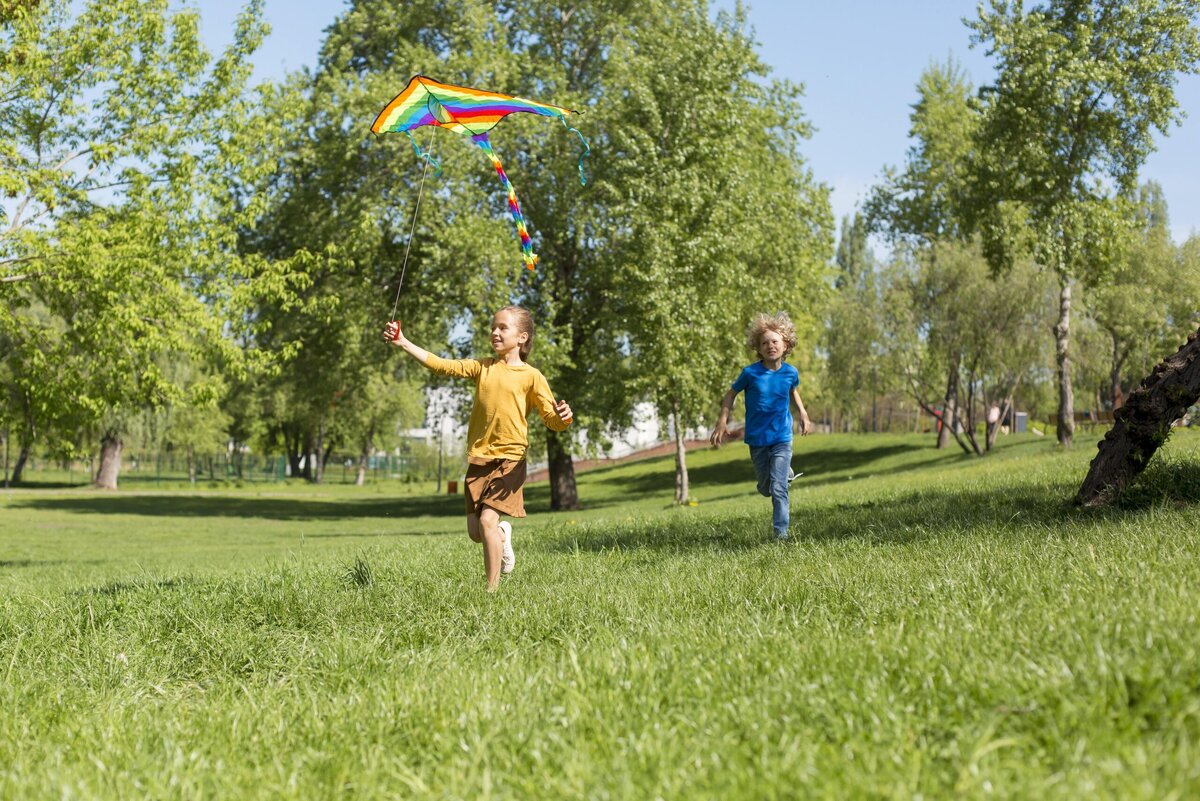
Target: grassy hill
(942,626)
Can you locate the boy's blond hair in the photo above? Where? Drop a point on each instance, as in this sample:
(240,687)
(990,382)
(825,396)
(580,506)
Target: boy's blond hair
(779,322)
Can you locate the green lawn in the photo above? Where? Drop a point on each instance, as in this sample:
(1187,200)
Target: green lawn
(942,626)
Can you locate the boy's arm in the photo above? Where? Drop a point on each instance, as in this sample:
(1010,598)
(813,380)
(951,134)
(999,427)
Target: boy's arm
(721,429)
(805,423)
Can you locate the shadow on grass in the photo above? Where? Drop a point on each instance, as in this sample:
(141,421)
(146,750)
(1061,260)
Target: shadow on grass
(28,562)
(612,484)
(909,518)
(233,506)
(1171,482)
(896,520)
(48,485)
(826,464)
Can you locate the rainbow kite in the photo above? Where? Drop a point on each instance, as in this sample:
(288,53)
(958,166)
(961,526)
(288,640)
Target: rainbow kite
(472,112)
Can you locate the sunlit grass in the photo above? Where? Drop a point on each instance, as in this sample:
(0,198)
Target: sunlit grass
(941,626)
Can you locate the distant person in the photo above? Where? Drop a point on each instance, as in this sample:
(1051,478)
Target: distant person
(506,390)
(771,388)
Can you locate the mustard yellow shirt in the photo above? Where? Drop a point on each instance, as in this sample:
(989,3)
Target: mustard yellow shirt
(504,395)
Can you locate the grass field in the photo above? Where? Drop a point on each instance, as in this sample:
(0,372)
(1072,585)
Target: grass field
(941,627)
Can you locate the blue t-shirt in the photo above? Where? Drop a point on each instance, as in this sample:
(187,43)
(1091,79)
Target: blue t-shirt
(768,412)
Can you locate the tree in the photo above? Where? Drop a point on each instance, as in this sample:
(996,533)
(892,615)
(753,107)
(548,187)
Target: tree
(852,335)
(1149,300)
(340,209)
(370,415)
(114,239)
(1080,89)
(1143,424)
(349,199)
(927,204)
(943,307)
(699,250)
(928,201)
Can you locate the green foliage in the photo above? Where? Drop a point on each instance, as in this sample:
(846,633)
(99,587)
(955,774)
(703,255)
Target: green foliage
(700,251)
(928,201)
(1080,90)
(663,237)
(114,254)
(1147,307)
(338,211)
(856,370)
(946,310)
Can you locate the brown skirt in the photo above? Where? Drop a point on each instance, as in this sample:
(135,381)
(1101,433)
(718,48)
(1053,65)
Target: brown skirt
(496,484)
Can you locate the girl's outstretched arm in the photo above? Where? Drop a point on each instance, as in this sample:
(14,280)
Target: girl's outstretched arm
(461,368)
(393,335)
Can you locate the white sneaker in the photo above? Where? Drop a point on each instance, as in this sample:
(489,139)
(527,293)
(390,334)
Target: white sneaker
(792,475)
(508,559)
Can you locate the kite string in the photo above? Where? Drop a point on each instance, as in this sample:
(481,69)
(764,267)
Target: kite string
(413,227)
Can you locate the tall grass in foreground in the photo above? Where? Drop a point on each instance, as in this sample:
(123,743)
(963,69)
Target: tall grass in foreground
(940,628)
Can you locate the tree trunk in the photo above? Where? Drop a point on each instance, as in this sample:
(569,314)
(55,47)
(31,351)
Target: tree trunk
(319,455)
(441,433)
(27,437)
(191,464)
(564,495)
(994,428)
(971,421)
(1066,395)
(19,468)
(110,460)
(291,444)
(5,437)
(364,457)
(874,402)
(681,472)
(949,404)
(1114,380)
(1143,424)
(307,451)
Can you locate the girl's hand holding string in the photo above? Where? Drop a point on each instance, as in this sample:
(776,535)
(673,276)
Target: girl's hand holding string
(392,333)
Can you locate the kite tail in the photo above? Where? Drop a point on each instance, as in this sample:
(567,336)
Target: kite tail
(587,151)
(528,255)
(425,155)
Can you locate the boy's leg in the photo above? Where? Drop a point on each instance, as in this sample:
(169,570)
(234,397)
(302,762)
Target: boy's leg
(474,530)
(781,462)
(489,524)
(761,458)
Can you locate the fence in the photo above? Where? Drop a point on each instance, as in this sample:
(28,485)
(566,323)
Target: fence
(172,467)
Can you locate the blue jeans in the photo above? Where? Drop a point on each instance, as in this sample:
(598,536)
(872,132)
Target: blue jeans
(772,463)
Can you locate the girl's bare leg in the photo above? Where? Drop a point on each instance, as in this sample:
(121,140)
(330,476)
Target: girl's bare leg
(489,524)
(474,530)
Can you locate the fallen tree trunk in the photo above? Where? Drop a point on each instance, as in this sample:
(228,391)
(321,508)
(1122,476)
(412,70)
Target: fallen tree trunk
(1143,424)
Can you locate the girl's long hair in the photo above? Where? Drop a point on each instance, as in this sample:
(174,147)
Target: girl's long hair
(524,325)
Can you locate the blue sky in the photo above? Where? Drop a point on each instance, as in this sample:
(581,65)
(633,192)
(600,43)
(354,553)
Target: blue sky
(859,61)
